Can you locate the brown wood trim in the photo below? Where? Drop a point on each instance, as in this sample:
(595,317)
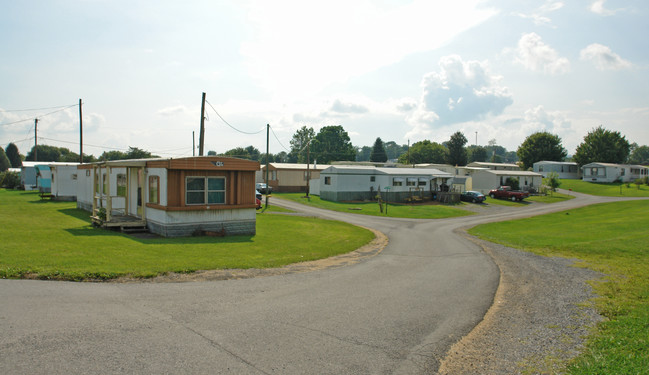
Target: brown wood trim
(213,207)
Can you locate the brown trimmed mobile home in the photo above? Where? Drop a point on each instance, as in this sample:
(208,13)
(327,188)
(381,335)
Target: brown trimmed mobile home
(171,197)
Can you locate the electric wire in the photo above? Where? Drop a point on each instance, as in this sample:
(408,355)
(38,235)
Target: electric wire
(278,141)
(39,116)
(228,124)
(37,109)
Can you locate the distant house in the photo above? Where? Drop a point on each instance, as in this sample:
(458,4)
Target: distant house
(609,172)
(564,169)
(486,179)
(349,183)
(171,197)
(290,177)
(495,166)
(28,175)
(64,181)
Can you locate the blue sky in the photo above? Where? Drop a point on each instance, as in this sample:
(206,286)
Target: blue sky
(399,70)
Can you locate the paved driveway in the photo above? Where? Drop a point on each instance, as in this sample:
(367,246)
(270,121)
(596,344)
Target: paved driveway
(397,312)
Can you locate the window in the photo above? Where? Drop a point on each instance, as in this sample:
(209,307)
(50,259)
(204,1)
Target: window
(205,190)
(154,189)
(121,185)
(397,182)
(372,178)
(411,182)
(327,180)
(540,168)
(422,182)
(74,176)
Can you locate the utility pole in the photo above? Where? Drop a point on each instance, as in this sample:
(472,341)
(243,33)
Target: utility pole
(193,144)
(476,138)
(308,172)
(80,134)
(35,139)
(201,140)
(267,163)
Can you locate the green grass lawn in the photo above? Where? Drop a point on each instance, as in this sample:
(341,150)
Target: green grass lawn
(615,189)
(611,238)
(413,211)
(56,240)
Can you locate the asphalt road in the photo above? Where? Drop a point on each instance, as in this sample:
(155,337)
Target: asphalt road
(397,312)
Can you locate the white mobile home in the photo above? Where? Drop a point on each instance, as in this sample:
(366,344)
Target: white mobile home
(609,172)
(64,181)
(564,169)
(172,197)
(495,166)
(349,183)
(486,179)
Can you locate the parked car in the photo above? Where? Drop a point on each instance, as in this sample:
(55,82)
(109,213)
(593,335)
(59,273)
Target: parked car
(506,192)
(473,197)
(263,188)
(258,199)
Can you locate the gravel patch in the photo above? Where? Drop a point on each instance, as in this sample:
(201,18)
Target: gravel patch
(539,318)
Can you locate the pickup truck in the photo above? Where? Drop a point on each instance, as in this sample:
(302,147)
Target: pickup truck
(506,192)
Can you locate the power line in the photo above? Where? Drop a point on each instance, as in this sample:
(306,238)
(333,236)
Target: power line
(228,124)
(278,141)
(35,109)
(39,116)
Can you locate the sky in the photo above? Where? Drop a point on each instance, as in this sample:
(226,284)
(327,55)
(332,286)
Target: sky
(405,71)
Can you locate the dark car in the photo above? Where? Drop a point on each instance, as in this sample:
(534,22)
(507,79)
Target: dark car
(473,196)
(263,188)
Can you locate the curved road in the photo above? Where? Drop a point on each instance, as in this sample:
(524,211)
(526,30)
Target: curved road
(397,312)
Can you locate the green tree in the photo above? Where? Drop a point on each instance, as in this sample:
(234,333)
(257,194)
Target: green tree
(13,155)
(378,153)
(332,143)
(456,150)
(254,153)
(45,153)
(363,153)
(476,153)
(552,180)
(280,157)
(540,146)
(4,161)
(393,150)
(136,153)
(238,152)
(639,154)
(425,152)
(300,140)
(113,155)
(603,146)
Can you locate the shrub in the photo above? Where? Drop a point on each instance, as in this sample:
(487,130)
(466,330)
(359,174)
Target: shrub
(10,180)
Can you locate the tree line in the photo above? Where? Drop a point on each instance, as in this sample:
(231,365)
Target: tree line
(332,143)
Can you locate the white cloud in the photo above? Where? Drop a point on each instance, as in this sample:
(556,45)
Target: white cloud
(460,92)
(603,57)
(535,55)
(175,110)
(539,15)
(346,107)
(298,48)
(538,119)
(598,7)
